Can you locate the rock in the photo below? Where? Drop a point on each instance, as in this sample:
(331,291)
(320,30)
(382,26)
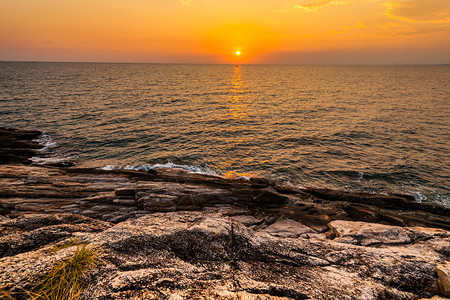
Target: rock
(17,146)
(440,245)
(62,163)
(125,192)
(369,234)
(362,214)
(395,202)
(33,189)
(209,255)
(443,272)
(246,220)
(289,229)
(178,235)
(32,232)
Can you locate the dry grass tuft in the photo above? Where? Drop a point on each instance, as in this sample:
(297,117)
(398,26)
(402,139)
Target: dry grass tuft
(67,244)
(68,278)
(5,293)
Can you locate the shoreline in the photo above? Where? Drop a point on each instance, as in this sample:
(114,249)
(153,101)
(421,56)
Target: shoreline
(193,236)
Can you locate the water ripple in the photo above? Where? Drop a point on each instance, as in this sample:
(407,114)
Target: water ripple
(373,129)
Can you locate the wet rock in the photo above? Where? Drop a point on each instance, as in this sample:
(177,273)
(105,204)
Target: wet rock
(62,164)
(18,146)
(125,192)
(395,202)
(33,189)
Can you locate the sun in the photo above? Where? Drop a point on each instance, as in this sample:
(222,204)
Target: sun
(238,53)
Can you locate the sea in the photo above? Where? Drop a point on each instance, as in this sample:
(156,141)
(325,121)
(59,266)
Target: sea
(375,129)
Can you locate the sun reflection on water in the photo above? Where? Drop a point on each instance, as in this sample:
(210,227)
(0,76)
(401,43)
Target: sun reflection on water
(237,106)
(237,116)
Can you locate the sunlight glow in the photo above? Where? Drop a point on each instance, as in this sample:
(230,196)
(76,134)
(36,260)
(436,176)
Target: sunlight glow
(207,31)
(250,40)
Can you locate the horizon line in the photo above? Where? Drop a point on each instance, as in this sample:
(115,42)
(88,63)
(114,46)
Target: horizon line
(199,63)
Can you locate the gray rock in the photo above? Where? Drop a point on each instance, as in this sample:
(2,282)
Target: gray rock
(208,255)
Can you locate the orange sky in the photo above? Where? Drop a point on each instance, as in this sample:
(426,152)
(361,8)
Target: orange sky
(211,31)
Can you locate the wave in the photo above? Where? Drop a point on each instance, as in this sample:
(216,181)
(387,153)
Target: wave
(52,160)
(204,170)
(49,155)
(369,181)
(47,142)
(168,165)
(419,197)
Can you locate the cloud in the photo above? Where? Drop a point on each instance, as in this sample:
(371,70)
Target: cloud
(186,2)
(401,31)
(346,28)
(317,4)
(407,31)
(419,11)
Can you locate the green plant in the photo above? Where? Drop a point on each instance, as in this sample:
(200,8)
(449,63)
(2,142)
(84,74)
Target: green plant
(68,278)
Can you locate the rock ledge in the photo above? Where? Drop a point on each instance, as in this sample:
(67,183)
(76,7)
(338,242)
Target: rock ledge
(170,234)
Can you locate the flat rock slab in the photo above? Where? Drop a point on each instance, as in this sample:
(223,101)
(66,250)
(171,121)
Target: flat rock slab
(289,228)
(203,255)
(115,197)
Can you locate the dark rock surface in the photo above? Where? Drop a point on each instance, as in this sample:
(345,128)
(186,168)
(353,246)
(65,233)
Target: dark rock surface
(18,146)
(170,234)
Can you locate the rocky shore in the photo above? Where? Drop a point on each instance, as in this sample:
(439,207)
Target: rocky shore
(170,234)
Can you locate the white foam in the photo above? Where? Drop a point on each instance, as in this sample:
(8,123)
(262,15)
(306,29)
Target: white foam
(51,159)
(109,168)
(169,165)
(46,141)
(419,197)
(360,176)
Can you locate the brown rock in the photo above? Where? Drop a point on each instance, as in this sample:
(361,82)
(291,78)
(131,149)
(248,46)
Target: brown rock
(443,272)
(125,192)
(361,214)
(289,229)
(368,234)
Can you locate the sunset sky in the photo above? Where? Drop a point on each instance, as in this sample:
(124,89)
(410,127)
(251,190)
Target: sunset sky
(212,31)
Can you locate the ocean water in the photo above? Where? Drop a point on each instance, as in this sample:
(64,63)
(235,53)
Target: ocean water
(380,129)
